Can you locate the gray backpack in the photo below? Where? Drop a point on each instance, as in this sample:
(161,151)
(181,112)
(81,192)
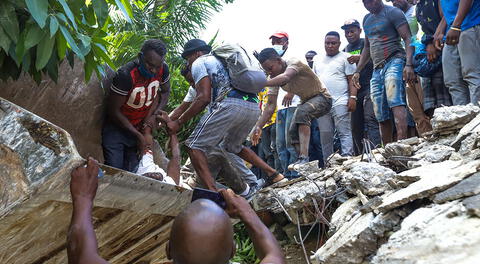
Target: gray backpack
(245,73)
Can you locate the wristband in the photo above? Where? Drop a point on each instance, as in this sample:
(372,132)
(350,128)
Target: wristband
(456,29)
(409,65)
(353,97)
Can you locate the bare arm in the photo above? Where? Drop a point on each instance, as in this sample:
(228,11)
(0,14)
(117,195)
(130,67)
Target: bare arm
(115,102)
(281,79)
(81,241)
(204,90)
(177,112)
(463,9)
(453,34)
(164,95)
(364,59)
(408,73)
(264,118)
(266,246)
(173,167)
(365,56)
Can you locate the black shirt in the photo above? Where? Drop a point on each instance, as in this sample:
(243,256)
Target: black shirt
(366,73)
(428,16)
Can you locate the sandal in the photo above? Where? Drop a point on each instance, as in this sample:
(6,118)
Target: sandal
(274,178)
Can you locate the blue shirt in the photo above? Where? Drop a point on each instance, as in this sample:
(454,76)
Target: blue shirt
(450,7)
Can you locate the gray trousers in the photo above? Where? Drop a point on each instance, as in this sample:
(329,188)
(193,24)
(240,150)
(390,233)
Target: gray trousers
(461,68)
(337,119)
(228,170)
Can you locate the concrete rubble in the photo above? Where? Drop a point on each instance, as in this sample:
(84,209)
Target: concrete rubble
(416,201)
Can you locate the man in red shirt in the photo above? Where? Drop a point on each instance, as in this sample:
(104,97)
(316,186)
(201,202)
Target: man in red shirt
(139,89)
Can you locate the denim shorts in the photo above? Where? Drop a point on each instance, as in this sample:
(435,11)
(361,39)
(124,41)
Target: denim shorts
(387,88)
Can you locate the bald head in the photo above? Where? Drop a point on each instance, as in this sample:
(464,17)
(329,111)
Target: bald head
(201,234)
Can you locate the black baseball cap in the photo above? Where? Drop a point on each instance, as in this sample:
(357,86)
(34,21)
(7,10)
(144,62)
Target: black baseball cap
(350,23)
(195,45)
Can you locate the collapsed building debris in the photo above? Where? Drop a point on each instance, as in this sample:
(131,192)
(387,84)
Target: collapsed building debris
(415,201)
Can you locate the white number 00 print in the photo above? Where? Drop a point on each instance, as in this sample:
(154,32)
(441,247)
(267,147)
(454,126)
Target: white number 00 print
(145,95)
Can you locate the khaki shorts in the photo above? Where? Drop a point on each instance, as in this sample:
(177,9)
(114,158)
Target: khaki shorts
(313,108)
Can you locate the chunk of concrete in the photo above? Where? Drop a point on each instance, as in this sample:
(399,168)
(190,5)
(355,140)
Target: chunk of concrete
(472,126)
(468,187)
(344,213)
(432,235)
(473,205)
(294,196)
(434,153)
(370,178)
(398,149)
(434,178)
(307,168)
(451,118)
(357,238)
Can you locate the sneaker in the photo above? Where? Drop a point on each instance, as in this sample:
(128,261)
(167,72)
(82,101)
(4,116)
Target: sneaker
(300,160)
(253,190)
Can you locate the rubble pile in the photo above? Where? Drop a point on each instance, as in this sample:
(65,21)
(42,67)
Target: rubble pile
(416,201)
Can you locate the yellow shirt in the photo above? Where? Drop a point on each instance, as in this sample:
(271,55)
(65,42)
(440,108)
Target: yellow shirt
(263,97)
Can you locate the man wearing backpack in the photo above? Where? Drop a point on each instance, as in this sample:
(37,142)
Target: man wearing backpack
(231,116)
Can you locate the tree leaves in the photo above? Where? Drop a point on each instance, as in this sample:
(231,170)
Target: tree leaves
(44,51)
(9,21)
(53,26)
(101,10)
(34,35)
(39,10)
(71,42)
(68,12)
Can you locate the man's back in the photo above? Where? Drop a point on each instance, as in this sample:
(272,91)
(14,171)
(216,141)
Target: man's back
(381,30)
(208,65)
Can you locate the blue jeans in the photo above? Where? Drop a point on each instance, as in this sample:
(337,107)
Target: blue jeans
(268,148)
(119,148)
(315,147)
(286,152)
(387,89)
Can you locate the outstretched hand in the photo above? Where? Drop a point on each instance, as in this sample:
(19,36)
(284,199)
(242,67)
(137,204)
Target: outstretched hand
(84,181)
(237,206)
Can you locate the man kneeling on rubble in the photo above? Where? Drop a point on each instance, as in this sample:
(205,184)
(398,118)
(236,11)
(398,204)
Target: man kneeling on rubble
(202,233)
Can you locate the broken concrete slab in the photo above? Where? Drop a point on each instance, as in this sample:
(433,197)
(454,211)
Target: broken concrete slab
(307,168)
(467,187)
(434,153)
(434,178)
(295,196)
(450,118)
(472,126)
(470,143)
(370,178)
(357,238)
(344,213)
(472,204)
(432,235)
(397,149)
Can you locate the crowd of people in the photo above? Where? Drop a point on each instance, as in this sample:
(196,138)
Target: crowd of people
(375,90)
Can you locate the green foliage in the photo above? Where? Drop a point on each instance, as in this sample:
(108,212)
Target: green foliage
(245,253)
(36,35)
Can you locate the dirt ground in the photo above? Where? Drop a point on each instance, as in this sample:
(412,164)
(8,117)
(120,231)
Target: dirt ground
(294,253)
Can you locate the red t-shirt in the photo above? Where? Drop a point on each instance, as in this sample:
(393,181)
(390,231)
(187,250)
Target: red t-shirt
(139,90)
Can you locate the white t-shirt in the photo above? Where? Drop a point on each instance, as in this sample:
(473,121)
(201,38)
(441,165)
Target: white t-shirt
(281,93)
(333,72)
(191,94)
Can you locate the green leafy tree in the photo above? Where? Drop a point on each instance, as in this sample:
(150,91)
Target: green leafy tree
(37,35)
